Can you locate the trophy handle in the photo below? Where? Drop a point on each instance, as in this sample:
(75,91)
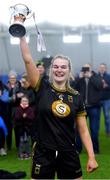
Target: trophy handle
(20,4)
(28,10)
(20,12)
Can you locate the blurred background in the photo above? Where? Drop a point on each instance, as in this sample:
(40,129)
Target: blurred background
(78,29)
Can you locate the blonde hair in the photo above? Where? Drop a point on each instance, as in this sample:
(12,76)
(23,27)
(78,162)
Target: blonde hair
(69,65)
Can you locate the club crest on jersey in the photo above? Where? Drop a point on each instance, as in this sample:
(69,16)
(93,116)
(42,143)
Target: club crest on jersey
(70,98)
(60,109)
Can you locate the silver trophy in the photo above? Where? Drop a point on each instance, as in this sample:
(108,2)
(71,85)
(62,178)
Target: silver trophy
(19,13)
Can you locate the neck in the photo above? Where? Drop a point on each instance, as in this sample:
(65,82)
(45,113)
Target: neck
(60,86)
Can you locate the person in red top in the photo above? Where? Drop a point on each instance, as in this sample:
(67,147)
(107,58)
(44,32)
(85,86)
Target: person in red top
(24,116)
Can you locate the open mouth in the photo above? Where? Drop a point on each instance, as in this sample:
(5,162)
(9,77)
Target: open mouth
(59,75)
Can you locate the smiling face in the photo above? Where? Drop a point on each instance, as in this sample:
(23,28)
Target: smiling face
(60,71)
(24,102)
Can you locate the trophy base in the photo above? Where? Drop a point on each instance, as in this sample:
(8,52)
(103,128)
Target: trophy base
(17,30)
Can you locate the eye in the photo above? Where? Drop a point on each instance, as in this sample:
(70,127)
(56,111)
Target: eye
(64,67)
(55,66)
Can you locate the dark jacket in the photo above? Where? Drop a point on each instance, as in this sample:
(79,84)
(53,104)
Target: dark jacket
(24,124)
(94,89)
(13,100)
(105,94)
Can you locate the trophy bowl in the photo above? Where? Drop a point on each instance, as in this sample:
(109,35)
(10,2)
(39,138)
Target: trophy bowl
(18,16)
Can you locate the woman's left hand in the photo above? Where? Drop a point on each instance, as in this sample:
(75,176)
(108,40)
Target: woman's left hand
(92,165)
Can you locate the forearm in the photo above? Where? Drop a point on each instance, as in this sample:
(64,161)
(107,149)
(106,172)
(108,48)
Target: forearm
(31,69)
(86,140)
(91,163)
(85,136)
(25,50)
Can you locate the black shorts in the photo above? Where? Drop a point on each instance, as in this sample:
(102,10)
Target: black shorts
(47,162)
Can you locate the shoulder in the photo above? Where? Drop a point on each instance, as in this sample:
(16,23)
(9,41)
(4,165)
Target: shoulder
(73,91)
(107,75)
(96,76)
(42,84)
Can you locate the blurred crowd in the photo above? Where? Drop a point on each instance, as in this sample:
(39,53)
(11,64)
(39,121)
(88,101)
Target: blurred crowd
(17,107)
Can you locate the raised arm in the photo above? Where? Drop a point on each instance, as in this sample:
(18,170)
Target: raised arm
(33,73)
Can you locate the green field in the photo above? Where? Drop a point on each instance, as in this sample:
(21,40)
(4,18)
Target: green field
(11,162)
(103,172)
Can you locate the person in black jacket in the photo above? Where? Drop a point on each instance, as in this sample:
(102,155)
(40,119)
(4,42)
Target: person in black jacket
(105,98)
(90,85)
(13,86)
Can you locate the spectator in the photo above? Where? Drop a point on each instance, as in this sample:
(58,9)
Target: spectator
(4,99)
(105,103)
(27,90)
(90,85)
(13,86)
(3,134)
(24,116)
(41,68)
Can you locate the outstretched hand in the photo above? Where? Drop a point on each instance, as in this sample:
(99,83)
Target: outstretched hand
(92,165)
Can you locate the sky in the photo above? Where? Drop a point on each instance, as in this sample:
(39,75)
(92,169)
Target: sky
(64,12)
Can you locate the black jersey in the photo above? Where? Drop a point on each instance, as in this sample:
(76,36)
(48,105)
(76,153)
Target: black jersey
(56,113)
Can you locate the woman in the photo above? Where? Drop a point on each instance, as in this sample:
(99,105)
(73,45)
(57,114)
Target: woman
(59,108)
(23,119)
(13,86)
